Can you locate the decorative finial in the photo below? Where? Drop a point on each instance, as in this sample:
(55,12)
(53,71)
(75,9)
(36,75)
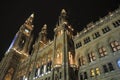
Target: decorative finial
(44,27)
(30,19)
(32,15)
(63,11)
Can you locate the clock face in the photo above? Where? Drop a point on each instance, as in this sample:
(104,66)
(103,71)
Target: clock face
(118,62)
(22,42)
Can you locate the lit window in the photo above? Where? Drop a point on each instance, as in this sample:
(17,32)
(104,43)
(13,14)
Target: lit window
(97,71)
(60,75)
(81,61)
(102,51)
(27,31)
(91,57)
(115,45)
(81,76)
(92,72)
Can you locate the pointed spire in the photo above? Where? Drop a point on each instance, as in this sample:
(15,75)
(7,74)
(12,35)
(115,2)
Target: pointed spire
(30,19)
(62,17)
(44,27)
(63,11)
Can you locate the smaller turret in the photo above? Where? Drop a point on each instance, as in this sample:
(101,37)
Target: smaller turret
(42,39)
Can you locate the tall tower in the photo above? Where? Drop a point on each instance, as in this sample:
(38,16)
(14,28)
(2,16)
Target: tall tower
(18,50)
(64,54)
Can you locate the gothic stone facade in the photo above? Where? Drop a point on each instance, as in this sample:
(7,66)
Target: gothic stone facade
(92,54)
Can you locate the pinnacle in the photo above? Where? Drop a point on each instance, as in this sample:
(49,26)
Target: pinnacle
(44,26)
(32,15)
(63,11)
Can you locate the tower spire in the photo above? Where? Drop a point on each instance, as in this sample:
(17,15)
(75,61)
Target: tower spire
(30,19)
(62,17)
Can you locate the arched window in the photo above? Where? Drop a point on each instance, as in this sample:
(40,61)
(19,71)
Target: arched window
(22,42)
(9,74)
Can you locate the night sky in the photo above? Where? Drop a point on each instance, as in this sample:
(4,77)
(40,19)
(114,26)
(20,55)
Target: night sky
(13,13)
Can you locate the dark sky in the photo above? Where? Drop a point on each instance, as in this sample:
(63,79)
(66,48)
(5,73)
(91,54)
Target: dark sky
(13,13)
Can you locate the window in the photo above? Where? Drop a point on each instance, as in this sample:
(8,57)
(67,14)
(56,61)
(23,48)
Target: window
(108,67)
(49,64)
(60,75)
(86,40)
(96,35)
(83,76)
(116,23)
(78,45)
(106,29)
(41,69)
(102,51)
(91,57)
(97,71)
(92,72)
(81,61)
(56,77)
(115,45)
(36,72)
(105,68)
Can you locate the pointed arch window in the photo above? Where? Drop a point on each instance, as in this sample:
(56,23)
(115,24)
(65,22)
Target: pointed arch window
(9,74)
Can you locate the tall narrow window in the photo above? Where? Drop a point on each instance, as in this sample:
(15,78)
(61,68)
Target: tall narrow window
(110,66)
(92,72)
(116,23)
(115,45)
(102,51)
(91,57)
(41,69)
(85,76)
(81,61)
(81,76)
(97,71)
(96,35)
(105,68)
(60,75)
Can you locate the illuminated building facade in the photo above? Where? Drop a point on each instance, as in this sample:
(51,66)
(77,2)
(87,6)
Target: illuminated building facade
(92,54)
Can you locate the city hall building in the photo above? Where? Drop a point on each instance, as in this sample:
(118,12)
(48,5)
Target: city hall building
(91,54)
